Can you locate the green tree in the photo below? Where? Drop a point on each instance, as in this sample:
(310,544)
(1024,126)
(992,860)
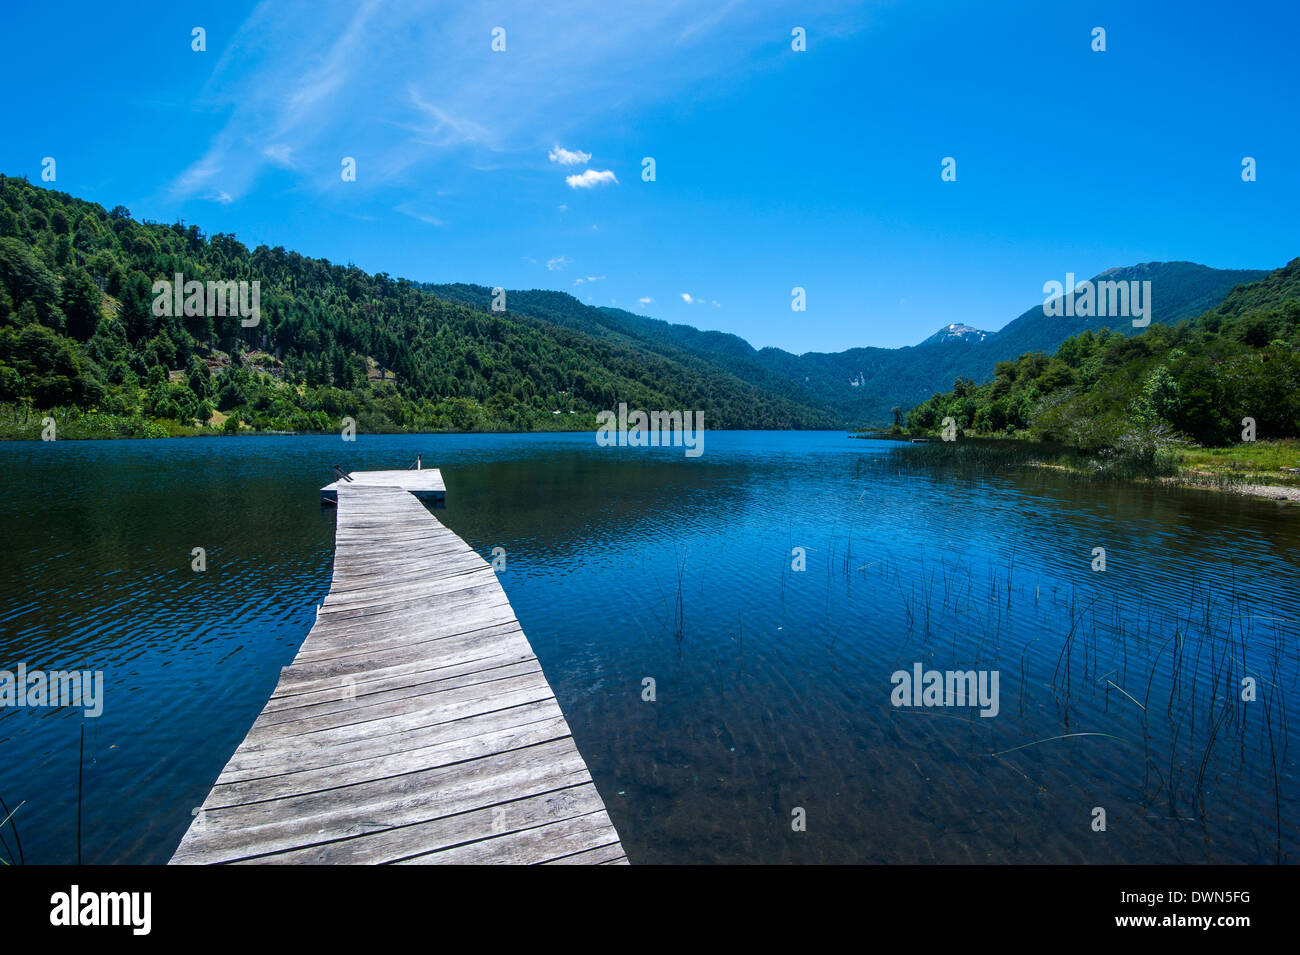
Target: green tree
(81,300)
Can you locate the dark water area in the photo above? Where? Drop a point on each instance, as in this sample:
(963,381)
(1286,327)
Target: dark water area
(1119,690)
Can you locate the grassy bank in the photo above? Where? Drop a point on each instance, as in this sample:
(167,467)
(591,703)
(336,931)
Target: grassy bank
(1249,467)
(1273,463)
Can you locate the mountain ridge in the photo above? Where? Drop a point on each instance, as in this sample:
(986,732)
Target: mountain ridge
(905,376)
(77,330)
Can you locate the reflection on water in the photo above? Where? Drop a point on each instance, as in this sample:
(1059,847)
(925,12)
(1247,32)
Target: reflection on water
(1118,689)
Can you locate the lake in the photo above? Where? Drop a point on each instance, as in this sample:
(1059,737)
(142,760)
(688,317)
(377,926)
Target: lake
(773,735)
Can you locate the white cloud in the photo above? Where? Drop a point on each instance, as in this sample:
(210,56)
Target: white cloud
(589,278)
(690,299)
(644,300)
(556,264)
(568,157)
(564,208)
(590,178)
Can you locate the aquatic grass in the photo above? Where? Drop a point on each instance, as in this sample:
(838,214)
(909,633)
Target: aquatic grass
(679,619)
(81,763)
(1192,658)
(13,828)
(1125,692)
(1051,739)
(1277,789)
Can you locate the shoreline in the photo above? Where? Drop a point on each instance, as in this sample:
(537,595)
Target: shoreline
(1268,492)
(1243,482)
(1187,477)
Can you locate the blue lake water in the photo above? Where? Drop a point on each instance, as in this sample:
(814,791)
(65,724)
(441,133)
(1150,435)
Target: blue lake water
(1118,690)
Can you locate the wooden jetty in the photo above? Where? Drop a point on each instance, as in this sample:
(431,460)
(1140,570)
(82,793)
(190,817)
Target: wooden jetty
(415,724)
(426,483)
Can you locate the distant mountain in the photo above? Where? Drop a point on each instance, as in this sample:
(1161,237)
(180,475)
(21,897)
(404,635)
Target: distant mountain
(1179,290)
(860,386)
(957,333)
(1237,361)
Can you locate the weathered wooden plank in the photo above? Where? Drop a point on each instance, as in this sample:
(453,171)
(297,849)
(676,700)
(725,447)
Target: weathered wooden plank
(392,845)
(301,753)
(452,650)
(378,679)
(604,855)
(414,725)
(390,765)
(394,692)
(238,832)
(346,636)
(363,717)
(529,846)
(427,481)
(340,642)
(390,718)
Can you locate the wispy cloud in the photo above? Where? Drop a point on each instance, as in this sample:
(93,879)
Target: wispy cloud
(556,264)
(644,300)
(440,128)
(568,157)
(359,81)
(708,21)
(589,278)
(275,100)
(279,154)
(408,209)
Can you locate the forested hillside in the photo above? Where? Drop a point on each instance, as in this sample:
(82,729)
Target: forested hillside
(1199,379)
(861,386)
(78,331)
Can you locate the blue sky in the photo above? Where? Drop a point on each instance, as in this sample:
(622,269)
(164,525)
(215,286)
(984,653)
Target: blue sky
(775,168)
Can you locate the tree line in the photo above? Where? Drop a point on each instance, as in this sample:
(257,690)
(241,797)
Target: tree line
(1102,390)
(78,331)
